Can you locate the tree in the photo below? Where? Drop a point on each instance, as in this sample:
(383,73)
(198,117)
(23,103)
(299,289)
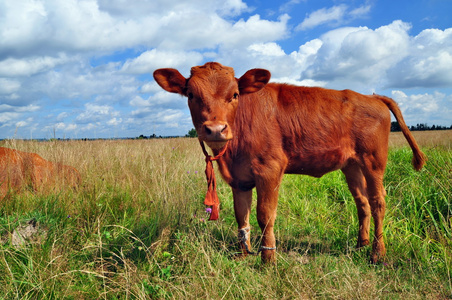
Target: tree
(192,133)
(395,126)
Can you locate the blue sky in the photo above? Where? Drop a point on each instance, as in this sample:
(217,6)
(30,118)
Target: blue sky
(83,69)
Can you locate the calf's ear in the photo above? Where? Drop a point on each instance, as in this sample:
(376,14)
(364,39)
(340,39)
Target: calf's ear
(253,80)
(170,80)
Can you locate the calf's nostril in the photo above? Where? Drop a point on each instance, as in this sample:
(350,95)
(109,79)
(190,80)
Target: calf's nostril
(224,128)
(208,131)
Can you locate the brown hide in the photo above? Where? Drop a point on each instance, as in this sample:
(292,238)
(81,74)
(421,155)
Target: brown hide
(272,129)
(19,170)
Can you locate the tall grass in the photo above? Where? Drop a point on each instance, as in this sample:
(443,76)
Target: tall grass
(136,229)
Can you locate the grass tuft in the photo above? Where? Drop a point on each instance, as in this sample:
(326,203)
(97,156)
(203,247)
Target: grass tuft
(136,229)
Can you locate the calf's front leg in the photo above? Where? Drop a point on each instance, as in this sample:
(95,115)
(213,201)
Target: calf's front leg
(242,209)
(267,202)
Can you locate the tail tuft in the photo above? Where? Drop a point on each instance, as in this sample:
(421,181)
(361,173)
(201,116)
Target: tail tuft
(419,160)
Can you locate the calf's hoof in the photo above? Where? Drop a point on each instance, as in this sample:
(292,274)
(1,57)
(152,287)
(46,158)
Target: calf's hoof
(378,253)
(362,243)
(268,256)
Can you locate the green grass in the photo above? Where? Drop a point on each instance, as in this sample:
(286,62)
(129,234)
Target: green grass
(136,229)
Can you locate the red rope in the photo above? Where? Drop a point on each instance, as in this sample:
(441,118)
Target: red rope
(211,195)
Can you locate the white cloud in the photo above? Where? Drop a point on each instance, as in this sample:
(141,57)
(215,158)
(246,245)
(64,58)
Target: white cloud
(6,117)
(60,127)
(359,54)
(71,127)
(19,109)
(150,87)
(137,101)
(87,65)
(164,122)
(322,16)
(335,15)
(304,82)
(8,86)
(361,11)
(288,6)
(160,100)
(62,116)
(21,124)
(429,62)
(28,108)
(94,113)
(12,67)
(230,7)
(141,8)
(198,30)
(244,33)
(148,61)
(114,121)
(268,49)
(416,107)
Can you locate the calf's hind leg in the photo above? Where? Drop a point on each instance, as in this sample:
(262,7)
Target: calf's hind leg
(377,202)
(374,168)
(358,187)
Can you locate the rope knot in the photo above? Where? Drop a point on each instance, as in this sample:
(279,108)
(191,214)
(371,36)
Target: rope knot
(211,195)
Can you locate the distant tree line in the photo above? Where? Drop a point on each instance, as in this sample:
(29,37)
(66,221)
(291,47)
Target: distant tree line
(419,127)
(394,127)
(152,136)
(191,133)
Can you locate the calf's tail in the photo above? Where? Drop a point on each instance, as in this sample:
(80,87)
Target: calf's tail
(419,157)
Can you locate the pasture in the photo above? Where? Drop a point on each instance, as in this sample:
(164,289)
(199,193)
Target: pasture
(136,229)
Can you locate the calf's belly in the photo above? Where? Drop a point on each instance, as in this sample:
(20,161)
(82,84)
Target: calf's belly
(318,163)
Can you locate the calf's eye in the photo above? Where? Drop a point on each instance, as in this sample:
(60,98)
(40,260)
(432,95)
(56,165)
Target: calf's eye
(234,97)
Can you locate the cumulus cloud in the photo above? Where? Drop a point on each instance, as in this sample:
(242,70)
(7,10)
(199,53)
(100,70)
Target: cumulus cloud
(359,54)
(8,86)
(67,130)
(267,49)
(14,117)
(86,66)
(12,67)
(434,107)
(148,61)
(429,62)
(94,113)
(114,121)
(31,27)
(6,117)
(160,100)
(164,121)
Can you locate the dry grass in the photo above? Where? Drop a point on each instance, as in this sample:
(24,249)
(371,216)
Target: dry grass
(425,139)
(135,229)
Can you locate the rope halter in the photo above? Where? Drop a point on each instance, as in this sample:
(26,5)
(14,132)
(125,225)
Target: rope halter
(211,195)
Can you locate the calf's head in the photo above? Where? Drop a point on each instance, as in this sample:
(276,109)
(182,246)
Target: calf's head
(213,95)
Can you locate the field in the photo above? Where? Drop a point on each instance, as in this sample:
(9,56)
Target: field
(136,229)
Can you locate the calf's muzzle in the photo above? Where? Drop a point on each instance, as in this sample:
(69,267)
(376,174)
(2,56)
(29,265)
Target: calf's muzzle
(216,133)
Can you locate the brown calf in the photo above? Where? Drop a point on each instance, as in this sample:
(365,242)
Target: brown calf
(20,170)
(272,129)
